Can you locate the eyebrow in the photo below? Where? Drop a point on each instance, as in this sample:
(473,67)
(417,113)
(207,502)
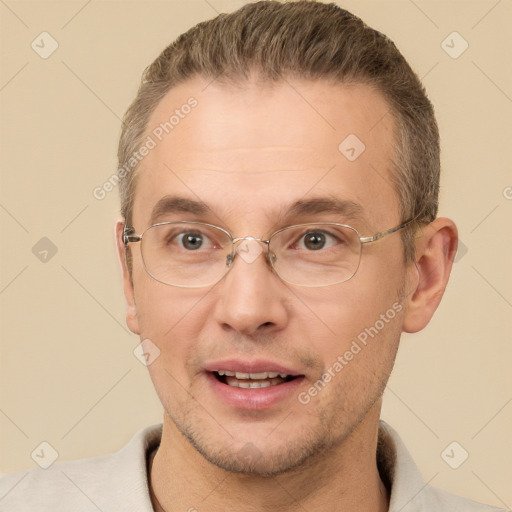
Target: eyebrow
(321,205)
(177,204)
(312,207)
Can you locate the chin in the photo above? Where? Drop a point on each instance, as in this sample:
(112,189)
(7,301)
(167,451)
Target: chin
(248,459)
(254,452)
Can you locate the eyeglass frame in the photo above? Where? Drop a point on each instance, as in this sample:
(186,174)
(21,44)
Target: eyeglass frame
(129,237)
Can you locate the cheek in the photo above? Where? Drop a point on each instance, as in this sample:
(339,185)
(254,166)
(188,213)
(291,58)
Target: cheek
(168,316)
(340,313)
(361,349)
(168,313)
(360,321)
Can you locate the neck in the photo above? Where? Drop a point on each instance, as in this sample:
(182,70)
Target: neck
(345,479)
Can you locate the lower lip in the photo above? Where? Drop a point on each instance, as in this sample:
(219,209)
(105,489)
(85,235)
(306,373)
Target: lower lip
(253,398)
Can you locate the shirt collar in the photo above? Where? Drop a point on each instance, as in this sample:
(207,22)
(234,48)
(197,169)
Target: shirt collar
(408,490)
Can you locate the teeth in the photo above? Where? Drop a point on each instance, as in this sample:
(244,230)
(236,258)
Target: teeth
(262,375)
(265,384)
(257,376)
(254,384)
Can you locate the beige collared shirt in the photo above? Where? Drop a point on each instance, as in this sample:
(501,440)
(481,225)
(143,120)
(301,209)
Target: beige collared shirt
(119,482)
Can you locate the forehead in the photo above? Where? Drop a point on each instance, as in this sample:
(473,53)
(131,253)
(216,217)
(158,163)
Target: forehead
(249,151)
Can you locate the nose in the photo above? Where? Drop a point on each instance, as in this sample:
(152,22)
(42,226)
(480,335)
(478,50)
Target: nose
(251,297)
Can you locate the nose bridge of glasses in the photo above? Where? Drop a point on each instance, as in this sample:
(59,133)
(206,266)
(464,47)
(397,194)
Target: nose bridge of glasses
(248,247)
(239,239)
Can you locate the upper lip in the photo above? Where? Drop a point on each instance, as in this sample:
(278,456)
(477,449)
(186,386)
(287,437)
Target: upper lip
(253,366)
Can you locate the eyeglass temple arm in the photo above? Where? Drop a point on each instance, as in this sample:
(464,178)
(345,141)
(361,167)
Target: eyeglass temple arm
(382,234)
(128,236)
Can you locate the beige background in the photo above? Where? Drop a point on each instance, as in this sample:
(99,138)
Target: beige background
(68,375)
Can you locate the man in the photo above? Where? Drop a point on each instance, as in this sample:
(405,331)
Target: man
(279,176)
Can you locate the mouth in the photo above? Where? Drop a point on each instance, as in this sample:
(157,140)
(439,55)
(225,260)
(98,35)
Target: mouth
(252,385)
(252,380)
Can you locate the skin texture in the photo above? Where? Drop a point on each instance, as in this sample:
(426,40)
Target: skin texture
(248,151)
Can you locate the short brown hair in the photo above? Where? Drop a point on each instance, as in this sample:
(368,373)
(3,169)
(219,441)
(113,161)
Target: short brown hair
(310,40)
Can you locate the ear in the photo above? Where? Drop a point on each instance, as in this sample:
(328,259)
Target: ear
(129,293)
(435,251)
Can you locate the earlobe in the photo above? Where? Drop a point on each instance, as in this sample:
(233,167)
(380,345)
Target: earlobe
(435,252)
(129,292)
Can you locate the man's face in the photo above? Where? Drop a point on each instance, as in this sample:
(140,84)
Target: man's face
(249,153)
